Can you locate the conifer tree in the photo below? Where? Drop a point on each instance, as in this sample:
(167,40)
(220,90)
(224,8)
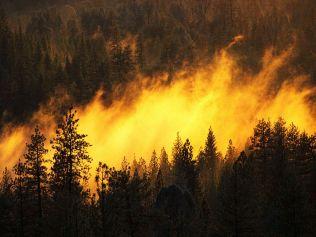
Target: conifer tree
(71,160)
(164,167)
(134,166)
(142,167)
(231,151)
(101,179)
(20,191)
(260,148)
(7,220)
(207,163)
(70,167)
(184,166)
(176,155)
(276,180)
(36,172)
(127,200)
(153,167)
(235,213)
(158,183)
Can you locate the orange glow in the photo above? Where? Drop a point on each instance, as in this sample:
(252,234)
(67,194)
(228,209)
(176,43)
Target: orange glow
(217,95)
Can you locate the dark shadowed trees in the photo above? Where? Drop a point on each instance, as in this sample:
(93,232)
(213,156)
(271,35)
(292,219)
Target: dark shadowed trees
(165,167)
(20,184)
(70,170)
(36,174)
(7,217)
(236,209)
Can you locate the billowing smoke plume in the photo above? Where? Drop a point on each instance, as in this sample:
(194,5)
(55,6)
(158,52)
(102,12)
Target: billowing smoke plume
(151,113)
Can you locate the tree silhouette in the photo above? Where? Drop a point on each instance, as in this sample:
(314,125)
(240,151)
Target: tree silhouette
(236,199)
(6,204)
(36,172)
(70,167)
(21,191)
(101,180)
(164,167)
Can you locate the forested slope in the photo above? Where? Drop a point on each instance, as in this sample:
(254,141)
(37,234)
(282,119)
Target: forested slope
(83,45)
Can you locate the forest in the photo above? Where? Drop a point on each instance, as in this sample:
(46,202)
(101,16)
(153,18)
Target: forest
(266,190)
(85,45)
(67,51)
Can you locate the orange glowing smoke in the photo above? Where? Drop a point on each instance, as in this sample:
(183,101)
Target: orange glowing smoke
(215,95)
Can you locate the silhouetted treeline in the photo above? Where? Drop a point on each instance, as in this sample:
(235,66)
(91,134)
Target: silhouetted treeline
(266,190)
(83,45)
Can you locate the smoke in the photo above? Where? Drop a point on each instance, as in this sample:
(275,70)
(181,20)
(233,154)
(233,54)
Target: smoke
(151,112)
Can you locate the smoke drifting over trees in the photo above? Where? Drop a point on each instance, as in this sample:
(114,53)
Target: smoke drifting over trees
(268,189)
(192,118)
(88,44)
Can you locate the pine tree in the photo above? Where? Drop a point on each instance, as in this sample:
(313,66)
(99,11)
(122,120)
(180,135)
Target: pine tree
(176,155)
(176,152)
(142,167)
(20,191)
(7,220)
(210,152)
(158,183)
(208,160)
(278,145)
(36,172)
(260,141)
(236,206)
(297,185)
(101,179)
(71,160)
(134,166)
(260,148)
(70,167)
(231,152)
(184,169)
(275,182)
(153,167)
(127,202)
(164,167)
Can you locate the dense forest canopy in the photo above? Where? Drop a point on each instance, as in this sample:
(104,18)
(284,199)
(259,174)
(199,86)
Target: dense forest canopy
(99,89)
(81,45)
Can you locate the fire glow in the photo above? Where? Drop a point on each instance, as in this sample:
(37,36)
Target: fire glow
(210,96)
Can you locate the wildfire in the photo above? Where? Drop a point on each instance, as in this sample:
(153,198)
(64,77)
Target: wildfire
(217,95)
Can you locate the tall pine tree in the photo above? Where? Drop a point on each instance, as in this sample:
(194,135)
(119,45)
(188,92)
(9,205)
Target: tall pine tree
(36,173)
(70,169)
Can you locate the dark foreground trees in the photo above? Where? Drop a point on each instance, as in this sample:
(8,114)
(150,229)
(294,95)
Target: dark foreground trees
(266,191)
(69,172)
(36,175)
